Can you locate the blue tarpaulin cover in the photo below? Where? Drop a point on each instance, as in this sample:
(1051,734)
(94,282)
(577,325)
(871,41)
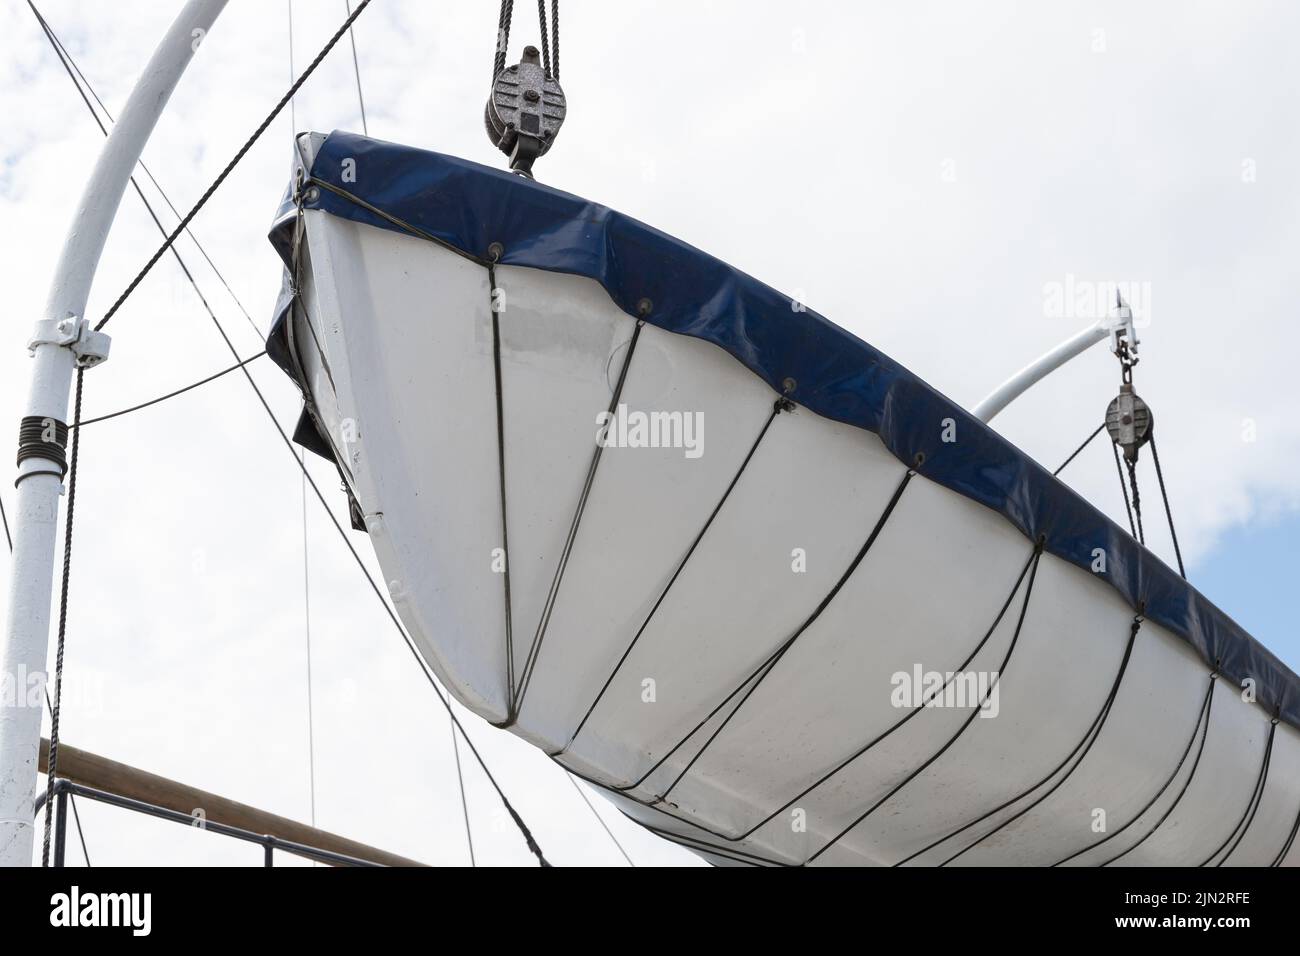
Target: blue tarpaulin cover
(468,207)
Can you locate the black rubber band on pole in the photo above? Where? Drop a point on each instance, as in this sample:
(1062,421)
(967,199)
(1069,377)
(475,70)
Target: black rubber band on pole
(32,442)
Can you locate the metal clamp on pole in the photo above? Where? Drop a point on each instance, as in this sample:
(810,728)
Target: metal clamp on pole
(90,347)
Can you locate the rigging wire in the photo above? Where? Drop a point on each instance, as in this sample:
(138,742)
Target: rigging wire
(293,114)
(180,391)
(1169,515)
(306,610)
(410,644)
(70,64)
(1075,454)
(76,816)
(56,708)
(168,245)
(306,566)
(356,69)
(70,67)
(230,166)
(599,819)
(5,520)
(464,804)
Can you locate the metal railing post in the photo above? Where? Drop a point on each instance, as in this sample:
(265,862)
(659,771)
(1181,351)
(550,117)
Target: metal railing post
(60,823)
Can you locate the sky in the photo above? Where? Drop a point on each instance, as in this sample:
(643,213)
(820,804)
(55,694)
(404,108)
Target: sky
(952,182)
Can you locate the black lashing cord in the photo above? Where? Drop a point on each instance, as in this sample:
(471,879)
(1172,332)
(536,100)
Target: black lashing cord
(1286,847)
(1196,732)
(495,253)
(1082,748)
(756,676)
(535,648)
(780,405)
(870,744)
(1088,735)
(1200,749)
(1247,815)
(975,712)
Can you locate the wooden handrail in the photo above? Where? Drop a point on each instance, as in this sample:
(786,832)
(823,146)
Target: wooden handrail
(92,770)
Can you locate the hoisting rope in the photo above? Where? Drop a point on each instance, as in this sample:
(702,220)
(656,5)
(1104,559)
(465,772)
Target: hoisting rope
(1137,501)
(167,244)
(550,64)
(503,37)
(1131,425)
(53,764)
(1123,487)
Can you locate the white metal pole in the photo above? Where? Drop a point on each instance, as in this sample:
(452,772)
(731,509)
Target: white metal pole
(26,636)
(1017,384)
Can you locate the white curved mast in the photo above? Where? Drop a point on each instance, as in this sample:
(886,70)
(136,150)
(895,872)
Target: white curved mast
(59,342)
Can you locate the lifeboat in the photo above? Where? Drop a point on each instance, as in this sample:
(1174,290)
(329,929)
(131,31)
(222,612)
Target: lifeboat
(783,602)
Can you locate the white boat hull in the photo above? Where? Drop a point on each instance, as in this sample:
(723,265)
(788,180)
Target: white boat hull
(627,628)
